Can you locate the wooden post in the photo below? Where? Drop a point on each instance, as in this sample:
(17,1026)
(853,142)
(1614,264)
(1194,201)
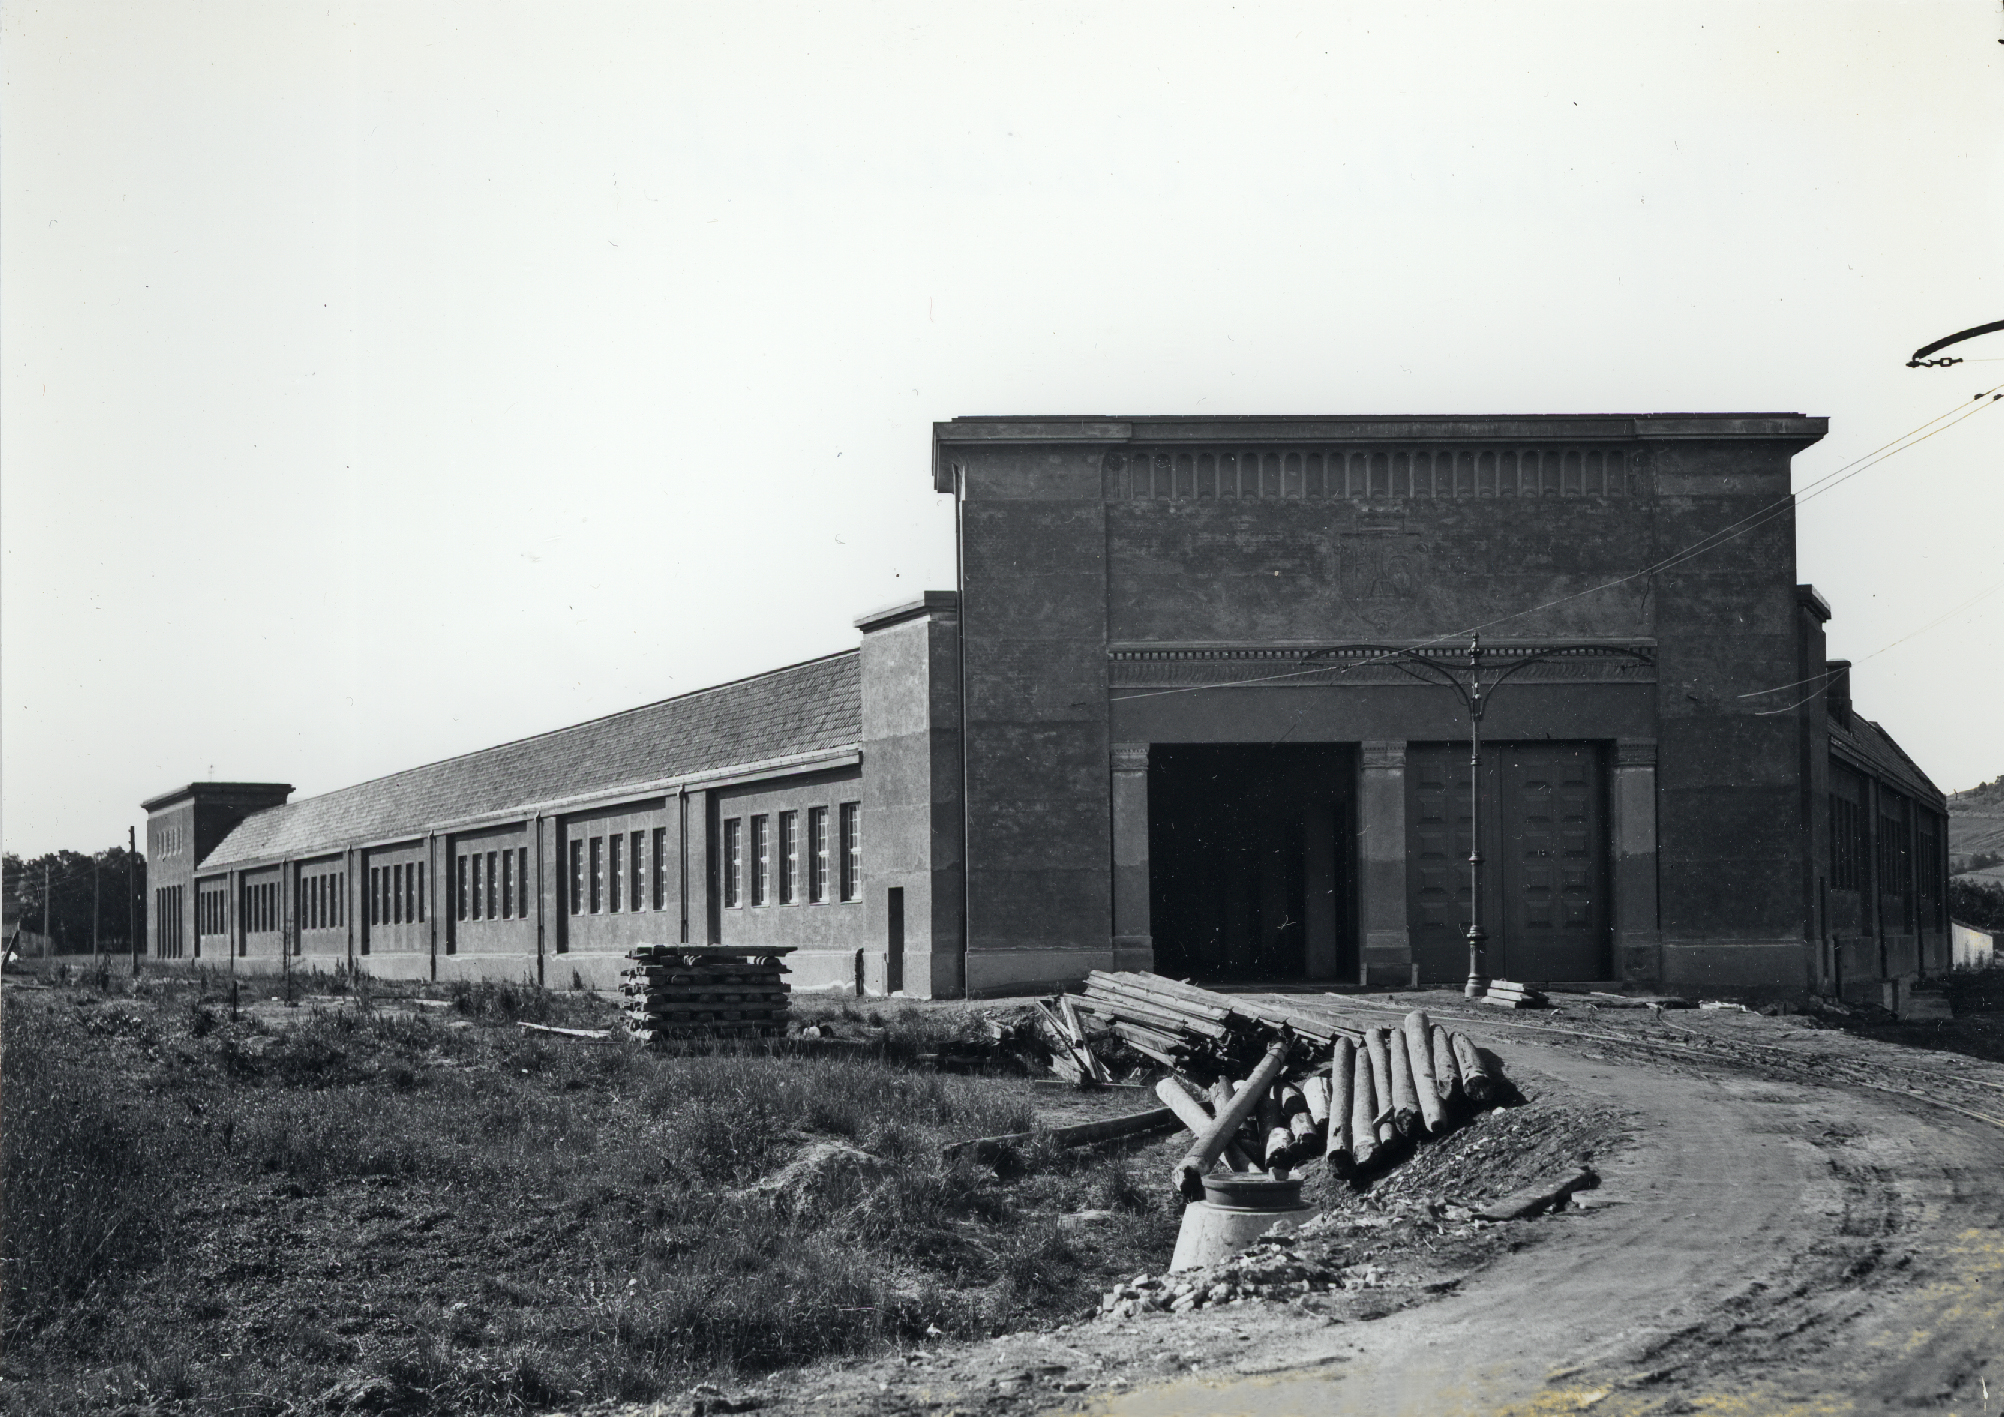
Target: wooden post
(1363,1106)
(1375,1044)
(1446,1072)
(1405,1097)
(1315,1093)
(1342,1082)
(1474,1075)
(1419,1052)
(1188,1178)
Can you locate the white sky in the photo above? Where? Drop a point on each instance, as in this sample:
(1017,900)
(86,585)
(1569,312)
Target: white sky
(385,381)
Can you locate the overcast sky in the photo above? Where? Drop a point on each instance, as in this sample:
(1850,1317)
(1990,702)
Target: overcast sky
(386,381)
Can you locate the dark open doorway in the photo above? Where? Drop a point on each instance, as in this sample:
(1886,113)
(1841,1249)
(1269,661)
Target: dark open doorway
(1252,861)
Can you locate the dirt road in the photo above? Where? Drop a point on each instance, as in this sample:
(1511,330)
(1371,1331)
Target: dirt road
(1774,1243)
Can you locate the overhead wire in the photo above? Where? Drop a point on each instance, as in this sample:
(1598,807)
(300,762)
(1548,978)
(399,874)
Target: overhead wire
(1711,541)
(1822,680)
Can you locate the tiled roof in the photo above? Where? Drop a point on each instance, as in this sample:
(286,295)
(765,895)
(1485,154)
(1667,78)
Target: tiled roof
(1873,746)
(804,708)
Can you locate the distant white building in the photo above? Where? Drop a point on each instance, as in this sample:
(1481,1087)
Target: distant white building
(1969,947)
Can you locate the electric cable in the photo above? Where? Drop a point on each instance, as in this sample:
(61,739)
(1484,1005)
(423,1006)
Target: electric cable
(1711,541)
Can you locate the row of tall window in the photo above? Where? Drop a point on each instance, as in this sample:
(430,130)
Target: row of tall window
(1847,845)
(783,886)
(320,900)
(619,872)
(493,885)
(1896,858)
(396,894)
(167,907)
(260,906)
(212,912)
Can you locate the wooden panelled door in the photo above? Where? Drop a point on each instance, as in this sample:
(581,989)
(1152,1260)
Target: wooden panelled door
(1544,848)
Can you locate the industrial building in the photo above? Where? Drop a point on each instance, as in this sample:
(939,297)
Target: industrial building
(1192,707)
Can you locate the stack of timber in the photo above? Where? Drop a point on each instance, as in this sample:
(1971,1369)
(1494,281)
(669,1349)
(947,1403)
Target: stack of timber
(1265,1086)
(679,992)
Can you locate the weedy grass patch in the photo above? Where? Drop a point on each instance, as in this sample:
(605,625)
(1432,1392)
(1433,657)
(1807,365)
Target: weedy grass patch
(370,1207)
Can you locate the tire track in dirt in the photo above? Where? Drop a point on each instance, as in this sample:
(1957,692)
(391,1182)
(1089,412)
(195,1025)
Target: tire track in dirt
(1770,1244)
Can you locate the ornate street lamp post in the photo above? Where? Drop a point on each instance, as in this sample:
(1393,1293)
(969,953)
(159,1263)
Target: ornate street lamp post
(1466,681)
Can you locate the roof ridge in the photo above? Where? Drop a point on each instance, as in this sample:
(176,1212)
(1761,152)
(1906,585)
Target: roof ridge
(554,732)
(1894,744)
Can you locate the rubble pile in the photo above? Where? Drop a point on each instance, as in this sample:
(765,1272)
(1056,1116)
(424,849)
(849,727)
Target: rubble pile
(1270,1086)
(677,992)
(1276,1267)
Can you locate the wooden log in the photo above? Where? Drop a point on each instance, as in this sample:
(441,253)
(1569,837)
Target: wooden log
(1419,1052)
(1363,1104)
(1446,1072)
(1188,1177)
(1218,1097)
(1306,1143)
(1276,1140)
(1379,1050)
(1474,1072)
(1315,1092)
(1405,1097)
(1159,1119)
(1342,1081)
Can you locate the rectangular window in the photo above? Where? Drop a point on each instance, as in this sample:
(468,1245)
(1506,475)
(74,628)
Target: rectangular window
(636,887)
(761,859)
(397,873)
(507,885)
(661,868)
(493,887)
(789,857)
(521,883)
(597,874)
(417,893)
(375,914)
(852,851)
(479,872)
(817,855)
(463,887)
(616,873)
(734,862)
(340,898)
(577,876)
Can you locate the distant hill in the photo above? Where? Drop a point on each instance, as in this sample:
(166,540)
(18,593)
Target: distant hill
(1976,824)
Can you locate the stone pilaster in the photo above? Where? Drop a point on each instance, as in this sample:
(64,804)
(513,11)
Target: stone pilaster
(1387,955)
(1638,935)
(1133,945)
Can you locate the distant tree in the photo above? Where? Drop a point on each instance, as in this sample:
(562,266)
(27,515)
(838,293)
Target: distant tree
(1977,903)
(65,915)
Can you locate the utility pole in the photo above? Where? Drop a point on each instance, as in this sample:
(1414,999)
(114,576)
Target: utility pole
(94,859)
(48,927)
(131,903)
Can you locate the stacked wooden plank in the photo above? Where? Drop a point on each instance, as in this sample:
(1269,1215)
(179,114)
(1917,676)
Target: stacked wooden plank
(677,992)
(1266,1085)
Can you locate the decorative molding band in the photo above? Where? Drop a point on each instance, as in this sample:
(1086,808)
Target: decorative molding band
(1384,755)
(1234,666)
(1334,474)
(1635,753)
(1130,757)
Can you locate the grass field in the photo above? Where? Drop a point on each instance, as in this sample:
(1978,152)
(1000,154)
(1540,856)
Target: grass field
(361,1205)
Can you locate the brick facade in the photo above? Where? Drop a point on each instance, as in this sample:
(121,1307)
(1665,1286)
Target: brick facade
(1161,722)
